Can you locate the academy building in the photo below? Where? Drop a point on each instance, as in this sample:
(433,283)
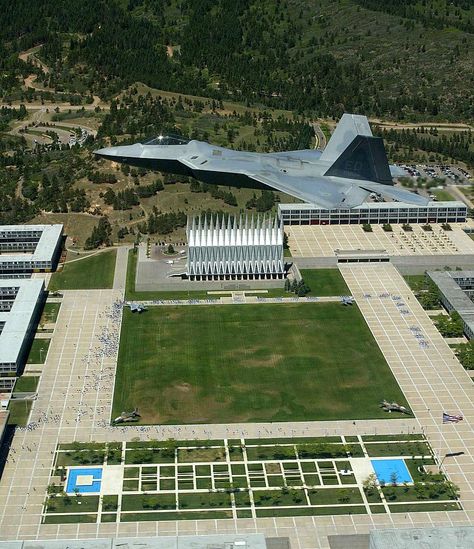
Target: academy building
(236,248)
(374,213)
(25,249)
(21,303)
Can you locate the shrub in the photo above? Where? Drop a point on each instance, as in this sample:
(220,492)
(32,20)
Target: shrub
(450,326)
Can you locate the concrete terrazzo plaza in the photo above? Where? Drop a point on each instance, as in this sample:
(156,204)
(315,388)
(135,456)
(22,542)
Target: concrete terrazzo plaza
(75,395)
(323,241)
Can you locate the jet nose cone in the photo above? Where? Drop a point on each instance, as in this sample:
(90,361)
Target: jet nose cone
(107,152)
(120,153)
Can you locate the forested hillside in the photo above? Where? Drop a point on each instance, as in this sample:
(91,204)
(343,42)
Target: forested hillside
(401,59)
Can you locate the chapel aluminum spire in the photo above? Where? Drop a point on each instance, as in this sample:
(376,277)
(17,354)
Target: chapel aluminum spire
(221,248)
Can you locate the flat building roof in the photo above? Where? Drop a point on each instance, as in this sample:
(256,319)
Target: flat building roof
(223,541)
(375,206)
(458,537)
(17,320)
(45,247)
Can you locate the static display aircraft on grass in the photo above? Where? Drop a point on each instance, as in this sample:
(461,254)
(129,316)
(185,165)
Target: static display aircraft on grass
(137,308)
(128,417)
(352,166)
(394,407)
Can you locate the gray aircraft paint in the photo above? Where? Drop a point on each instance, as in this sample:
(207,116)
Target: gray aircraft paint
(353,165)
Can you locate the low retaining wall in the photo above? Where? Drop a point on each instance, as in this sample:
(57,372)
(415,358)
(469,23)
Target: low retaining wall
(405,264)
(188,285)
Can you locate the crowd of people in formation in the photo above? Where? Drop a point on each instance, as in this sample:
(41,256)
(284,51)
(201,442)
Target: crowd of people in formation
(97,376)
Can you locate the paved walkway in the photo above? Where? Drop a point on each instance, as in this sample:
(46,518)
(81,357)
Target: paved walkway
(238,300)
(331,240)
(428,372)
(75,396)
(120,274)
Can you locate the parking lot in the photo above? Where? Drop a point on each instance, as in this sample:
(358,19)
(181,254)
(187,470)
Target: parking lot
(430,171)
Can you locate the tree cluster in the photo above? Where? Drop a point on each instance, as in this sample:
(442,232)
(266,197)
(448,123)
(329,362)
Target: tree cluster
(465,354)
(450,326)
(429,296)
(122,200)
(163,223)
(402,144)
(258,51)
(299,288)
(100,235)
(100,178)
(263,203)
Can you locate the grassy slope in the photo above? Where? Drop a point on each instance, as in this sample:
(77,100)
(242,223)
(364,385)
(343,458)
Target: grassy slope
(323,282)
(50,313)
(26,384)
(38,351)
(251,363)
(93,272)
(443,195)
(19,412)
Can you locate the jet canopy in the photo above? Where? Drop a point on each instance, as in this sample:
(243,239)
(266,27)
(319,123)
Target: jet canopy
(167,140)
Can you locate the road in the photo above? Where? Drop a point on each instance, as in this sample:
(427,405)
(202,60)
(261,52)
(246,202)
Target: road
(447,126)
(320,137)
(461,196)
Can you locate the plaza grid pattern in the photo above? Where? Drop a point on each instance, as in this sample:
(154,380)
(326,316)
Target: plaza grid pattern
(74,403)
(322,241)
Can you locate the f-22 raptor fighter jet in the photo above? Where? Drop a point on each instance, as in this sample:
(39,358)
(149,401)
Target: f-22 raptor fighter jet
(352,166)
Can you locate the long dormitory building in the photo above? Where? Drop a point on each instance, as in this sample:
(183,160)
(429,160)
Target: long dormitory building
(374,213)
(24,250)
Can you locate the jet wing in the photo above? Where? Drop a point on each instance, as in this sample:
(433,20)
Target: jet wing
(331,192)
(397,193)
(315,190)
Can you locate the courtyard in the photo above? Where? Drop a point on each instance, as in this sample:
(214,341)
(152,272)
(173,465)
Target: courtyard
(82,273)
(252,363)
(244,478)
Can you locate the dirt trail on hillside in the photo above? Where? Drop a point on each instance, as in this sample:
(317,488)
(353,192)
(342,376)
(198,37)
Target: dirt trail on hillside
(30,80)
(451,126)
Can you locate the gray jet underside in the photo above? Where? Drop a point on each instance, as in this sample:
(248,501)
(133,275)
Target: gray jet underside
(353,165)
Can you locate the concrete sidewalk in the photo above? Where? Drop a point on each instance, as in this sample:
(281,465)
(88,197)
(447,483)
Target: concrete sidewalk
(427,370)
(75,402)
(120,274)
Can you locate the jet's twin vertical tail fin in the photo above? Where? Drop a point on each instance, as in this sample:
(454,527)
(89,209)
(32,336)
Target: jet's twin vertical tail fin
(355,154)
